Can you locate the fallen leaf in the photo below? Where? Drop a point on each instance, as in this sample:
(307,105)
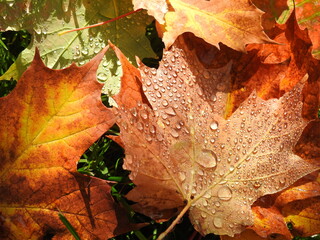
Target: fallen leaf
(45,19)
(47,122)
(189,158)
(235,24)
(297,205)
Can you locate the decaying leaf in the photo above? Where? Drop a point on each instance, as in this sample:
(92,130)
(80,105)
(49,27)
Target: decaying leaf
(47,122)
(189,158)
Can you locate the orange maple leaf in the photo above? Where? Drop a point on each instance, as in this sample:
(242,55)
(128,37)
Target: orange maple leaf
(47,122)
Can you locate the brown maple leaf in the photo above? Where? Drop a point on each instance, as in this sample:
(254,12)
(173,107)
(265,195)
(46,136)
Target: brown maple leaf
(47,122)
(189,158)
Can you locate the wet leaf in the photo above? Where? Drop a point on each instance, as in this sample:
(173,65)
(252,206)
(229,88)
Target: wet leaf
(45,19)
(47,122)
(189,157)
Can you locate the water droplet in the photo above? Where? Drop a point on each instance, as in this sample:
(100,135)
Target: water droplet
(148,137)
(214,125)
(174,133)
(85,51)
(255,150)
(281,147)
(96,49)
(139,126)
(282,181)
(65,5)
(217,222)
(144,114)
(207,158)
(225,193)
(182,176)
(206,74)
(159,137)
(170,111)
(152,129)
(102,76)
(165,103)
(256,184)
(200,172)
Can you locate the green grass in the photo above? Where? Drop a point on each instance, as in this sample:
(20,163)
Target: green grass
(104,158)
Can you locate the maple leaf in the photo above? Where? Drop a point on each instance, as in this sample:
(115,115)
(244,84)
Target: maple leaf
(189,158)
(45,19)
(233,23)
(47,122)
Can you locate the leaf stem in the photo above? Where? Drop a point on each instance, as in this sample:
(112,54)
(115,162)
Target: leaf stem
(102,23)
(175,222)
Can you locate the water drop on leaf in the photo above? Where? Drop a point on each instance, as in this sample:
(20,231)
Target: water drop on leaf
(207,158)
(224,193)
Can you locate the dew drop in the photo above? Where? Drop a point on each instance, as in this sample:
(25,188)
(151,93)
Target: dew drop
(255,151)
(174,133)
(143,114)
(85,51)
(207,158)
(200,172)
(217,222)
(281,147)
(256,185)
(102,76)
(170,111)
(165,103)
(139,126)
(152,129)
(214,125)
(182,176)
(148,137)
(224,193)
(159,137)
(282,181)
(206,74)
